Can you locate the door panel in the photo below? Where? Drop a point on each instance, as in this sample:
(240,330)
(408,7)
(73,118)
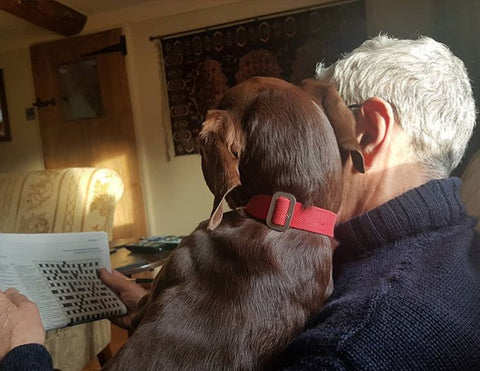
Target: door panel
(104,141)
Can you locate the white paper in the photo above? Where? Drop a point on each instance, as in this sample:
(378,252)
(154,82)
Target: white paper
(57,271)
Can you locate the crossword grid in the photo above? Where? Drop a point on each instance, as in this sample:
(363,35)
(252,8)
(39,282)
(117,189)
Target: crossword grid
(79,290)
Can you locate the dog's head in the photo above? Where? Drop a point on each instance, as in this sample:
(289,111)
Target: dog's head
(340,117)
(266,136)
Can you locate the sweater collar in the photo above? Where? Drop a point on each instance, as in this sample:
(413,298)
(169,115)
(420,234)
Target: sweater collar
(432,205)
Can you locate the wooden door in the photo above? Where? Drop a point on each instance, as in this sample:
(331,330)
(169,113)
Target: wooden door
(90,123)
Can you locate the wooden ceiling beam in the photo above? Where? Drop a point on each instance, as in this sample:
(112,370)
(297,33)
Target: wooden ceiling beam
(49,14)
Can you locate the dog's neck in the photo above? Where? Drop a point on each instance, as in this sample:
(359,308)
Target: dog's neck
(281,211)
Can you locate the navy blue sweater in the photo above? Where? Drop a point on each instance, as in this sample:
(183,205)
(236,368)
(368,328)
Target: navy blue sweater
(407,292)
(29,357)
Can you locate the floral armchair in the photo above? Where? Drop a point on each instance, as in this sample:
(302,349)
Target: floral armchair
(64,200)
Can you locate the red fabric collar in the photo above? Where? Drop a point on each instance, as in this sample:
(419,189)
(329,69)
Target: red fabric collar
(282,211)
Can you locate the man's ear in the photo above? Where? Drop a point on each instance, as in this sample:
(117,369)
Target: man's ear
(220,143)
(375,123)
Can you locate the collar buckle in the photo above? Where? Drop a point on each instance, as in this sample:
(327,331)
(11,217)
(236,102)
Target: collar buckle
(289,215)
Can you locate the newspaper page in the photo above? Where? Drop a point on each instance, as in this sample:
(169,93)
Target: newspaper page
(59,272)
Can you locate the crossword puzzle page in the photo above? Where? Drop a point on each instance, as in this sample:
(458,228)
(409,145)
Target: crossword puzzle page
(59,272)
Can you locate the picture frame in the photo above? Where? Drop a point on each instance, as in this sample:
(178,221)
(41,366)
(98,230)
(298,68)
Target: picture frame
(4,122)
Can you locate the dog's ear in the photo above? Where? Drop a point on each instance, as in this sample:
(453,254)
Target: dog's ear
(340,117)
(220,143)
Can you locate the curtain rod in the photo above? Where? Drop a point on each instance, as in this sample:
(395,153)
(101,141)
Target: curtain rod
(250,20)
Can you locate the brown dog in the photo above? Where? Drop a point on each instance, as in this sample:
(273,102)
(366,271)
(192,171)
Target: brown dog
(235,292)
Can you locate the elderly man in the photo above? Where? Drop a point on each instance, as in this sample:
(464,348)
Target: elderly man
(407,267)
(407,270)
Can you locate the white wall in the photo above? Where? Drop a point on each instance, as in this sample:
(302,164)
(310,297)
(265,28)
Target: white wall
(401,18)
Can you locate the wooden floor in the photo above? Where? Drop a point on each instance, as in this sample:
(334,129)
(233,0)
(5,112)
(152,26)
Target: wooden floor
(119,337)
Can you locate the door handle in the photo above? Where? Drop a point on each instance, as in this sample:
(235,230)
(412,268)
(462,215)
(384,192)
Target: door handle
(44,103)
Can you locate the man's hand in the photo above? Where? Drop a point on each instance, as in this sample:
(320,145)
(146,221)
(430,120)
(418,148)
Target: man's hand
(20,322)
(129,292)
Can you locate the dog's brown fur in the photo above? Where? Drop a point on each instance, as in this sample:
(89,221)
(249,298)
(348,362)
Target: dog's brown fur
(235,292)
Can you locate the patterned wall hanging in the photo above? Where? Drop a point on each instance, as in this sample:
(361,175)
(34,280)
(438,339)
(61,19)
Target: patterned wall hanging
(201,66)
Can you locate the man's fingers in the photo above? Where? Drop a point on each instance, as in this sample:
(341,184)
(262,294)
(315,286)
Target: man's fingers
(118,274)
(15,297)
(114,280)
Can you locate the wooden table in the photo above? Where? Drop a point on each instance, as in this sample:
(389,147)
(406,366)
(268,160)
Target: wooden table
(130,263)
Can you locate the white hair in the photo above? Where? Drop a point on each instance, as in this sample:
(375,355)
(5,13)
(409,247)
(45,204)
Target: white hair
(427,86)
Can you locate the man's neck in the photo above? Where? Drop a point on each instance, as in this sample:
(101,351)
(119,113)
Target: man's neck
(365,192)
